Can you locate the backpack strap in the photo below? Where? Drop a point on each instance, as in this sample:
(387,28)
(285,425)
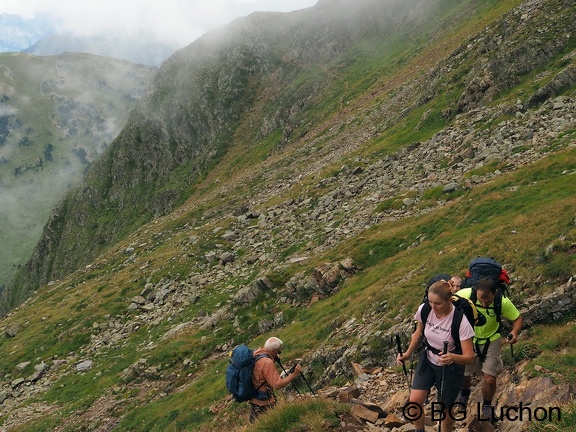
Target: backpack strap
(456,321)
(498,309)
(424,313)
(259,356)
(481,349)
(256,358)
(454,328)
(473,295)
(497,306)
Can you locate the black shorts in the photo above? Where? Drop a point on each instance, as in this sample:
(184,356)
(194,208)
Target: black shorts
(428,375)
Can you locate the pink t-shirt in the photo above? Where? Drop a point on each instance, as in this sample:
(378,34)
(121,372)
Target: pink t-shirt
(437,330)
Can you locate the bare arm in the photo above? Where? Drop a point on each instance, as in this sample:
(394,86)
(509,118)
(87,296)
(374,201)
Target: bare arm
(516,329)
(273,377)
(413,343)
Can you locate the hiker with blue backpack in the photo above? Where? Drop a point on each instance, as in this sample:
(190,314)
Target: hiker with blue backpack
(491,301)
(447,339)
(251,375)
(265,377)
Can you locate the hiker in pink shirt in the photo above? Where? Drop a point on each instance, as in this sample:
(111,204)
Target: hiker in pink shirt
(446,371)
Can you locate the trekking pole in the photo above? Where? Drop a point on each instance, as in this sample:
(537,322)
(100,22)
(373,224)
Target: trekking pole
(397,336)
(514,376)
(303,377)
(306,381)
(412,356)
(441,391)
(509,337)
(288,373)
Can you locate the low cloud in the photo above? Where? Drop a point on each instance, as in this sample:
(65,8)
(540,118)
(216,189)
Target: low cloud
(7,110)
(172,21)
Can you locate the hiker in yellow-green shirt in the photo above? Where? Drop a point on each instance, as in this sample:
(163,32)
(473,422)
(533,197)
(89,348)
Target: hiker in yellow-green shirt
(488,341)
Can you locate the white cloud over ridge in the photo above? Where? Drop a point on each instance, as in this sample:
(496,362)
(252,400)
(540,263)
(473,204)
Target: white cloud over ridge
(177,22)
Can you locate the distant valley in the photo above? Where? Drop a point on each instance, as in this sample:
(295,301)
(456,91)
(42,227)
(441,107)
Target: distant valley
(57,115)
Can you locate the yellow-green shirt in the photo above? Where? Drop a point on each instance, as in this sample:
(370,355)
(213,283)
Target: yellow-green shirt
(490,329)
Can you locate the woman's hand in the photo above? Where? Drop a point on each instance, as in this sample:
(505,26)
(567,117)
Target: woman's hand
(445,359)
(402,358)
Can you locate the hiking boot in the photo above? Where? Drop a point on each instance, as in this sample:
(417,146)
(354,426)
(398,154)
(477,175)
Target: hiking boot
(461,401)
(488,414)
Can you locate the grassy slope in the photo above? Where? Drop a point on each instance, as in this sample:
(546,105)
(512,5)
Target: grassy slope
(464,228)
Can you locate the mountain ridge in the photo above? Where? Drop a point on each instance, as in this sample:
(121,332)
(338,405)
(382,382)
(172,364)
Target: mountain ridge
(19,33)
(140,49)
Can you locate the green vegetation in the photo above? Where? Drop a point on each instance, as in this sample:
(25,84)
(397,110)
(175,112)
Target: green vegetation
(312,415)
(460,230)
(566,423)
(553,349)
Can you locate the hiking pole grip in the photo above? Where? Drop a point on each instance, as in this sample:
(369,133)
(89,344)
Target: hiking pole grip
(515,378)
(277,360)
(397,336)
(445,348)
(303,378)
(408,379)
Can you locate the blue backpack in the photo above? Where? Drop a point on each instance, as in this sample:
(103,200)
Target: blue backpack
(239,373)
(482,267)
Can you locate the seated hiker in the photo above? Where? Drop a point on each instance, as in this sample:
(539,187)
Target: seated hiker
(446,371)
(266,378)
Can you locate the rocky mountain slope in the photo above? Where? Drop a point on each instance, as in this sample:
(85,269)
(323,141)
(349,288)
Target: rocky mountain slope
(302,175)
(241,88)
(57,115)
(202,102)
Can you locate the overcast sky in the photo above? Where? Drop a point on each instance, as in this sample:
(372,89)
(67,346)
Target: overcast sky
(175,21)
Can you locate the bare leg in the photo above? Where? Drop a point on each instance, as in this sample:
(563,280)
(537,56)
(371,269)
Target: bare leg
(447,423)
(488,387)
(418,397)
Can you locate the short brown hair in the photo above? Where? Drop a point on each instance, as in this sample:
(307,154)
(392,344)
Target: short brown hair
(486,284)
